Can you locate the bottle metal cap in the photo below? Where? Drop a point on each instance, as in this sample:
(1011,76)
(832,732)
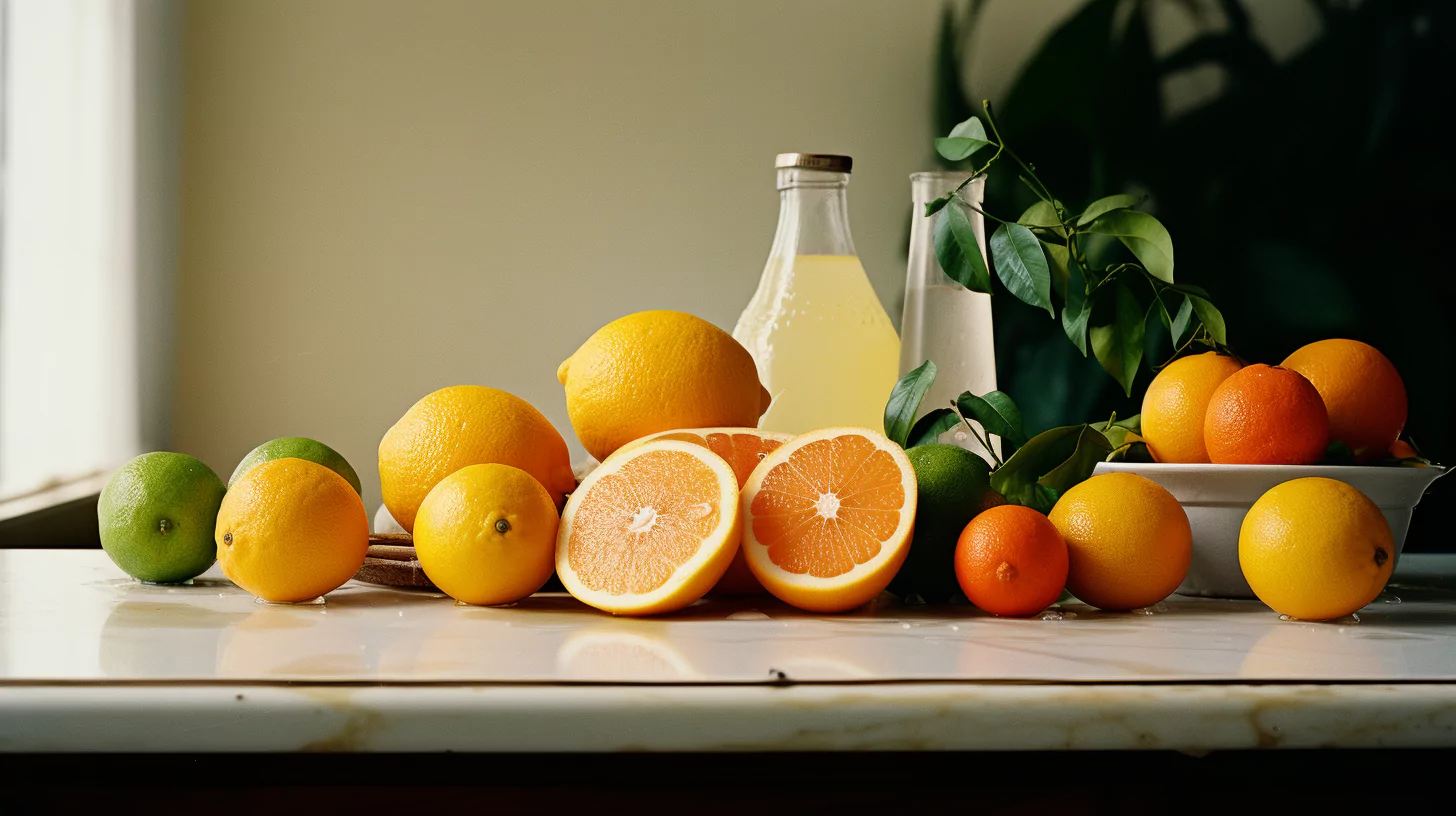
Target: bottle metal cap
(815,161)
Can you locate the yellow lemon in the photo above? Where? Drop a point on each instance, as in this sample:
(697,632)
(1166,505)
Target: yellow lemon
(1128,541)
(1175,404)
(658,371)
(291,530)
(467,425)
(1316,549)
(487,535)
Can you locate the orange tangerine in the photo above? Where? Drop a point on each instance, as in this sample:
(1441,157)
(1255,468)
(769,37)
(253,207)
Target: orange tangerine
(1266,415)
(651,530)
(743,449)
(1362,391)
(1010,560)
(828,518)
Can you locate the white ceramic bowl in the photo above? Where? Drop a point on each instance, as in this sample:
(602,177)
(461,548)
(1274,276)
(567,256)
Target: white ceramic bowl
(1216,498)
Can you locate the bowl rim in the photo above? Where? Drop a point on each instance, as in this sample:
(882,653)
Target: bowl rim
(1194,466)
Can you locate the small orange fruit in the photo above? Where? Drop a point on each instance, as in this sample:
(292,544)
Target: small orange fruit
(1128,541)
(1401,449)
(291,530)
(467,425)
(742,449)
(1362,391)
(828,518)
(1316,549)
(1266,415)
(1010,560)
(651,530)
(1176,403)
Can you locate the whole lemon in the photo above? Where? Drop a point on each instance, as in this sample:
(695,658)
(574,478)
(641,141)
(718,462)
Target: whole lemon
(1175,403)
(1128,541)
(291,530)
(467,425)
(487,535)
(658,371)
(1316,549)
(1362,391)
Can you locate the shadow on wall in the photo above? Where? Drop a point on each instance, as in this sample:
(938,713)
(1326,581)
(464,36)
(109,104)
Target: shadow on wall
(1308,196)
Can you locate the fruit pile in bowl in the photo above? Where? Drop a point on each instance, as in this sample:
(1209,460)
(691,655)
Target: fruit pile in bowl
(1290,473)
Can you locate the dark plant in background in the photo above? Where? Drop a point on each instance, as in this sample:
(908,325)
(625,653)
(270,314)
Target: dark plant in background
(1309,197)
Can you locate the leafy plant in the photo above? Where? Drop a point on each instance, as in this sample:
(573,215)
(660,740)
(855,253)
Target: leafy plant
(1045,255)
(1035,471)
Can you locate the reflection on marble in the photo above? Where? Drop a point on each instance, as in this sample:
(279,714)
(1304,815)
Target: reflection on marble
(71,616)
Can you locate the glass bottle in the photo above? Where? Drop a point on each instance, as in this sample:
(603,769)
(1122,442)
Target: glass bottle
(824,346)
(943,320)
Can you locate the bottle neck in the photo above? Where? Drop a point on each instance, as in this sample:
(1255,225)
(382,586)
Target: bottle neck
(924,268)
(813,213)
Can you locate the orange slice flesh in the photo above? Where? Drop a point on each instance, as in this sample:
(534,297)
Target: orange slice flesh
(827,518)
(743,449)
(651,530)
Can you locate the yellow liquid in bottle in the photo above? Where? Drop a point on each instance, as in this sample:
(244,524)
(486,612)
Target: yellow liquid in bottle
(825,347)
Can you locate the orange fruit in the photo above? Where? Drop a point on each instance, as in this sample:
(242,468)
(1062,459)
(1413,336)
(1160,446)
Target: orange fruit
(291,530)
(467,425)
(1401,449)
(1128,541)
(486,535)
(1176,402)
(1316,549)
(1362,392)
(655,371)
(742,449)
(828,518)
(650,530)
(1010,560)
(1266,415)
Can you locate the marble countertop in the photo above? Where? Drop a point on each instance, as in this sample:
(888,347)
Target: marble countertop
(91,660)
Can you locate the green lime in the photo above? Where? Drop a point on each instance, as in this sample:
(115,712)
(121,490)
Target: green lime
(158,515)
(954,485)
(298,447)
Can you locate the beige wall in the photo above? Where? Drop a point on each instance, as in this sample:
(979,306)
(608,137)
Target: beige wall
(383,198)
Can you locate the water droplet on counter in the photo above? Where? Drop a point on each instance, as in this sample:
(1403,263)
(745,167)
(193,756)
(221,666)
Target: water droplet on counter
(1143,611)
(319,601)
(748,614)
(461,603)
(1388,598)
(904,626)
(1286,618)
(1058,615)
(954,628)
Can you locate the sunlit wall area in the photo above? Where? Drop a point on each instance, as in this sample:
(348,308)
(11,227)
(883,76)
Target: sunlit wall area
(383,198)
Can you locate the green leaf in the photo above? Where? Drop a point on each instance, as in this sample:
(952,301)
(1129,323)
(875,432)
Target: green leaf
(959,252)
(1118,345)
(1338,453)
(905,400)
(1210,317)
(1144,235)
(1077,308)
(1131,452)
(997,413)
(964,140)
(1042,214)
(1058,257)
(929,427)
(933,207)
(1092,447)
(1117,430)
(1049,464)
(1103,206)
(1182,322)
(1021,265)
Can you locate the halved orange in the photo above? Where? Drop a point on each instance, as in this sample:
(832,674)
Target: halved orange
(650,530)
(743,449)
(827,518)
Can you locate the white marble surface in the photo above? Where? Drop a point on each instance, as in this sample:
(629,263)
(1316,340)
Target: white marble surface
(90,659)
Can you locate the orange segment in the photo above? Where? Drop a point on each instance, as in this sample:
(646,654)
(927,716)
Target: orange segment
(828,518)
(742,449)
(650,530)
